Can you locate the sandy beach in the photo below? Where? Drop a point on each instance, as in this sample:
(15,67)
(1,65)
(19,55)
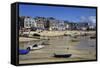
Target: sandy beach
(25,39)
(45,34)
(59,33)
(82,49)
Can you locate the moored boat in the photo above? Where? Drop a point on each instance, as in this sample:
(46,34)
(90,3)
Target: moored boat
(62,55)
(23,51)
(35,47)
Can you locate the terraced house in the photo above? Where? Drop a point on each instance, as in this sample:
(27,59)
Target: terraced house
(50,23)
(29,22)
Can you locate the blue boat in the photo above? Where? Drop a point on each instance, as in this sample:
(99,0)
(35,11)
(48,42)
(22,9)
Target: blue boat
(23,51)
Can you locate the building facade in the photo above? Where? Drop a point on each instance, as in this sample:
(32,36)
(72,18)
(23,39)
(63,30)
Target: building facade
(53,24)
(42,23)
(29,22)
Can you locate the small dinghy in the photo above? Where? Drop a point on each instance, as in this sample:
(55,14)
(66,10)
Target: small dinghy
(23,51)
(92,37)
(35,34)
(35,47)
(62,55)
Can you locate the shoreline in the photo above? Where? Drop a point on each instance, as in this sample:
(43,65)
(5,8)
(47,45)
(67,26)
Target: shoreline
(46,34)
(25,39)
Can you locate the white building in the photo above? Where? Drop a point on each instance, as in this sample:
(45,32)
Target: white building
(61,25)
(53,24)
(29,22)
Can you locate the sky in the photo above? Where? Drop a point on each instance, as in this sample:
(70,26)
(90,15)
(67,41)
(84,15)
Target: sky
(72,14)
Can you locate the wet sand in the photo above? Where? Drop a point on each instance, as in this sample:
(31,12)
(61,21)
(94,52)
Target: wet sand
(83,49)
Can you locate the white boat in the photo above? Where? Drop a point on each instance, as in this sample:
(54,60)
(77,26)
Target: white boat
(35,47)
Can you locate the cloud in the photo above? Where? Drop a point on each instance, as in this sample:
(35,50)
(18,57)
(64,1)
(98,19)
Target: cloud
(92,19)
(83,19)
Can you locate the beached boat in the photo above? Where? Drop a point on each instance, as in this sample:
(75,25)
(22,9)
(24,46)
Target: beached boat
(92,37)
(35,47)
(23,51)
(36,34)
(74,40)
(62,55)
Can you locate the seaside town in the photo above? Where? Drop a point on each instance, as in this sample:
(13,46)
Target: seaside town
(47,39)
(29,24)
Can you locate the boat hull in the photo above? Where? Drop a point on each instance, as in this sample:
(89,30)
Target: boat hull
(62,55)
